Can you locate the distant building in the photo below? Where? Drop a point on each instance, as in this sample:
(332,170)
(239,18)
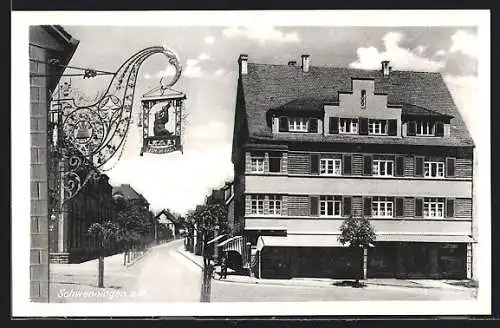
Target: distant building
(313,146)
(130,194)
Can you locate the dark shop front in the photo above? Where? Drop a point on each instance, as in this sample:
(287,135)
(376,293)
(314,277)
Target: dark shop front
(417,260)
(293,258)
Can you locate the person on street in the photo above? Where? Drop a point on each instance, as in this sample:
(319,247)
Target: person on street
(223,268)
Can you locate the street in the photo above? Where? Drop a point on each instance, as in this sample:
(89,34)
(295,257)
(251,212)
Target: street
(165,275)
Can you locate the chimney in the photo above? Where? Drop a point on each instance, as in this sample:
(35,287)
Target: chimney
(305,63)
(385,68)
(243,63)
(292,63)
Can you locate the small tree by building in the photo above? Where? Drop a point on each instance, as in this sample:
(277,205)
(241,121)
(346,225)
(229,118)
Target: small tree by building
(105,233)
(357,232)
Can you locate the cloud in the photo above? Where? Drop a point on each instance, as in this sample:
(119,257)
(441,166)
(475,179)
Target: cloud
(220,72)
(261,34)
(204,56)
(464,42)
(192,68)
(440,53)
(420,49)
(400,58)
(209,39)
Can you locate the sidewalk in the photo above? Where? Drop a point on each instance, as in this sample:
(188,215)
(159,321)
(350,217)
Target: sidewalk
(77,282)
(316,282)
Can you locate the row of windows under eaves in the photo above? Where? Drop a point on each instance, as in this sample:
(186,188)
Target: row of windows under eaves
(338,164)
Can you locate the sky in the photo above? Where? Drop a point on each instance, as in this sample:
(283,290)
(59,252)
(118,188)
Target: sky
(210,71)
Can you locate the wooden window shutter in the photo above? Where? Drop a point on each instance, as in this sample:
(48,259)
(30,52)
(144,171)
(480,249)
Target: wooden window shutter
(346,206)
(334,125)
(450,167)
(400,166)
(315,163)
(439,129)
(313,125)
(399,207)
(393,127)
(363,126)
(283,124)
(419,207)
(411,128)
(367,206)
(450,207)
(313,200)
(367,165)
(419,166)
(347,164)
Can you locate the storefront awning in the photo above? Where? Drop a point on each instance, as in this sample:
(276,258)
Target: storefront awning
(298,241)
(215,239)
(426,238)
(235,243)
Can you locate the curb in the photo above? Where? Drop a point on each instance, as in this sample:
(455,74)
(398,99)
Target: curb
(189,258)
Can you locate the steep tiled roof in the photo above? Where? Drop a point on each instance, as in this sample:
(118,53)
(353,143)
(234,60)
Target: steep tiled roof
(127,192)
(268,87)
(409,109)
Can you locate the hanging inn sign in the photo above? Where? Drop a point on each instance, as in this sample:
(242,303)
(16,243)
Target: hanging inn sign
(162,120)
(90,138)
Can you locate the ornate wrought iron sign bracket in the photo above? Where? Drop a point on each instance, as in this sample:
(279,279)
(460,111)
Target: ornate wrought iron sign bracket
(89,137)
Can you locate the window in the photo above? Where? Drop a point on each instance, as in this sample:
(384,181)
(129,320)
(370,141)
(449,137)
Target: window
(382,207)
(329,166)
(433,207)
(383,166)
(377,127)
(348,125)
(257,204)
(275,205)
(275,162)
(297,124)
(425,128)
(330,205)
(363,99)
(433,169)
(257,162)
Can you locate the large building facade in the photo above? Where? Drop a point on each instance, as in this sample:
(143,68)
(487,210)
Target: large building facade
(46,44)
(313,146)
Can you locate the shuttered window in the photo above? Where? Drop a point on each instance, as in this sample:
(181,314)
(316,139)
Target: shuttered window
(450,207)
(334,125)
(283,124)
(399,207)
(411,128)
(400,166)
(439,129)
(367,206)
(393,127)
(346,206)
(419,204)
(314,163)
(313,200)
(313,125)
(419,166)
(347,165)
(450,167)
(363,126)
(367,165)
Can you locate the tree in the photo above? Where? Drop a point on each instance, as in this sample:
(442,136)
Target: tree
(357,232)
(208,221)
(105,233)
